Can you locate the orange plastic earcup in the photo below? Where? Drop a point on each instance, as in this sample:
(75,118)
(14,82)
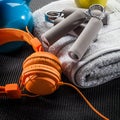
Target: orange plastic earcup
(41,73)
(43,58)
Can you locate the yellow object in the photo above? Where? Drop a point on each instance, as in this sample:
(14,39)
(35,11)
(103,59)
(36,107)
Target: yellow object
(87,3)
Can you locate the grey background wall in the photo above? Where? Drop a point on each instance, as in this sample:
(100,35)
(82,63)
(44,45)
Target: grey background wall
(36,4)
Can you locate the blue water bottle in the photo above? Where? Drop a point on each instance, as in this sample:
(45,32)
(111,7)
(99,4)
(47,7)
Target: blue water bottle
(15,14)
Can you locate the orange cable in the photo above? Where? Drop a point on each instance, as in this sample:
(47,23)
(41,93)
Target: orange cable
(27,95)
(2,88)
(88,103)
(27,30)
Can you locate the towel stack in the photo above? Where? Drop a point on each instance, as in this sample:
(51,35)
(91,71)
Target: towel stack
(101,62)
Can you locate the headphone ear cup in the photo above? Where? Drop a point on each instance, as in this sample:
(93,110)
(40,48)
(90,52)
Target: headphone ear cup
(40,79)
(41,73)
(43,58)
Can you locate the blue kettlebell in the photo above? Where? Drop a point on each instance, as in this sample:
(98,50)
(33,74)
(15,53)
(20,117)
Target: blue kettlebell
(15,14)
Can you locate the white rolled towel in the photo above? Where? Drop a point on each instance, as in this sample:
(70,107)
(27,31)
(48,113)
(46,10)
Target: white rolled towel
(101,62)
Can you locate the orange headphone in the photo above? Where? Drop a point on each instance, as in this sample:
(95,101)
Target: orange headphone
(41,73)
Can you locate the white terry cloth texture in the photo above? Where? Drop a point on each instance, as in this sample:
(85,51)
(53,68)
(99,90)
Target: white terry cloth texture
(101,62)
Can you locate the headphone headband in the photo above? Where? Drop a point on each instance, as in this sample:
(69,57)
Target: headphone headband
(11,35)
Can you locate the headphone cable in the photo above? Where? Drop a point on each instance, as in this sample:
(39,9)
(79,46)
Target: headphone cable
(85,99)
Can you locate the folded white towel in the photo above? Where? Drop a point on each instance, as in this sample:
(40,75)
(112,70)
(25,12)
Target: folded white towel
(101,62)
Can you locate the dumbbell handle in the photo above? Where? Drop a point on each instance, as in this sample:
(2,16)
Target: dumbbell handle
(82,43)
(75,32)
(65,26)
(66,12)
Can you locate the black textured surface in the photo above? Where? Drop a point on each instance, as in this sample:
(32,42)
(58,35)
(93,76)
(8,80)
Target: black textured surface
(64,104)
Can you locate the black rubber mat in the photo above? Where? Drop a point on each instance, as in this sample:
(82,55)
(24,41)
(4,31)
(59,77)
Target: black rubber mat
(64,104)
